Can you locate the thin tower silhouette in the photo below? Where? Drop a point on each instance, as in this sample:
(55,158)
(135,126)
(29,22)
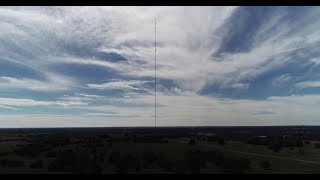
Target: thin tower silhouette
(155,72)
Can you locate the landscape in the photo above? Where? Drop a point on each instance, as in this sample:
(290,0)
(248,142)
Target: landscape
(159,90)
(171,150)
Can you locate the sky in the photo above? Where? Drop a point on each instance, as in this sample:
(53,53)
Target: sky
(216,66)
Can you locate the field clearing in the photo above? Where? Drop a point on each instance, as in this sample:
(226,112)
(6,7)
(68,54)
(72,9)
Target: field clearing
(310,153)
(279,166)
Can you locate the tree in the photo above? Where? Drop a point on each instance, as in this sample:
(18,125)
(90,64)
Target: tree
(11,163)
(301,152)
(36,164)
(51,154)
(149,159)
(265,165)
(65,161)
(180,167)
(83,161)
(236,166)
(275,146)
(316,145)
(196,160)
(114,156)
(215,157)
(221,141)
(192,142)
(299,143)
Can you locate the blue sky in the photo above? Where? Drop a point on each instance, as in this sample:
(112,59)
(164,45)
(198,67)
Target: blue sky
(94,66)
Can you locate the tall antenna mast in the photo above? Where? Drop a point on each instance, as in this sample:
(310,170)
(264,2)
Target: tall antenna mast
(155,73)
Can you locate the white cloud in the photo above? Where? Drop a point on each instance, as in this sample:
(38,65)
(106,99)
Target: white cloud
(281,80)
(240,86)
(198,110)
(175,57)
(316,61)
(69,103)
(116,29)
(186,37)
(8,107)
(307,84)
(194,110)
(23,102)
(89,95)
(43,121)
(186,108)
(124,85)
(29,102)
(103,114)
(31,84)
(191,109)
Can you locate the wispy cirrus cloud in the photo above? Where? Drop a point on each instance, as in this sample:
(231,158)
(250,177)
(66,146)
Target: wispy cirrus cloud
(281,80)
(308,84)
(30,102)
(124,85)
(187,49)
(8,107)
(99,62)
(31,84)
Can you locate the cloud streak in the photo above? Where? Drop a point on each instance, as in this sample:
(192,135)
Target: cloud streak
(124,85)
(308,84)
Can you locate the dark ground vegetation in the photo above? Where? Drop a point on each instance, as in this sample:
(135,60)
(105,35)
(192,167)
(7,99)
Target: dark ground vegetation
(164,150)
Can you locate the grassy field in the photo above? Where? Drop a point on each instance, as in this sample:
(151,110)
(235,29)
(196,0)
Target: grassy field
(99,152)
(281,166)
(310,153)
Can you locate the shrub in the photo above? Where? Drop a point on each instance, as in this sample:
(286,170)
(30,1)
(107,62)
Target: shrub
(166,165)
(51,154)
(265,165)
(236,166)
(301,152)
(149,159)
(316,145)
(196,160)
(275,146)
(36,164)
(32,150)
(127,162)
(11,163)
(214,157)
(65,161)
(192,142)
(221,141)
(180,168)
(114,156)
